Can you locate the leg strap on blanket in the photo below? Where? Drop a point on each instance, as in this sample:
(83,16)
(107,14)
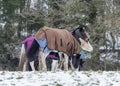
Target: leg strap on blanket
(44,48)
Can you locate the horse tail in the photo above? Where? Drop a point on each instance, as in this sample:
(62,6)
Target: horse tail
(22,49)
(22,58)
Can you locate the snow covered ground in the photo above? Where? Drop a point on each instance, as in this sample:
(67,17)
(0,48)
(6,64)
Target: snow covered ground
(60,78)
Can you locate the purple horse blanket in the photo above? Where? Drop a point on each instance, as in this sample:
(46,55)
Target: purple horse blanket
(53,55)
(59,39)
(28,42)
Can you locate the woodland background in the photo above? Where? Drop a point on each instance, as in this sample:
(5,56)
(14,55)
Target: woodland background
(20,18)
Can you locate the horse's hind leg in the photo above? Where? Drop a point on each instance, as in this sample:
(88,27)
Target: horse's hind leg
(61,58)
(43,60)
(32,65)
(63,61)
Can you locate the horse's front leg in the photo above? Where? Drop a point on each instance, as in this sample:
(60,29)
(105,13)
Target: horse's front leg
(71,64)
(54,65)
(66,62)
(40,62)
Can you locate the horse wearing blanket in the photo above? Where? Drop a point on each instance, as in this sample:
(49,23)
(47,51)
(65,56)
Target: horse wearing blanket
(26,44)
(62,41)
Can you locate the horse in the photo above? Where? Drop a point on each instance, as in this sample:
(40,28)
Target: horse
(23,61)
(59,40)
(25,66)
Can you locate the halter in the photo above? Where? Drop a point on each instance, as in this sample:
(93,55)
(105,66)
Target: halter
(80,32)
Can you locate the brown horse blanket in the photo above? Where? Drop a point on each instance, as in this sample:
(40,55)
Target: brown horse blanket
(59,39)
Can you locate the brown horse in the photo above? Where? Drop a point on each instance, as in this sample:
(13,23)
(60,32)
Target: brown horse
(62,41)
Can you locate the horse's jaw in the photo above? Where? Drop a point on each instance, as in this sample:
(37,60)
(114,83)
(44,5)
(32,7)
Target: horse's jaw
(86,45)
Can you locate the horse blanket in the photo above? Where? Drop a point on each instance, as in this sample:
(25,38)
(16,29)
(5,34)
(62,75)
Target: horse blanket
(82,54)
(31,42)
(28,42)
(59,39)
(53,55)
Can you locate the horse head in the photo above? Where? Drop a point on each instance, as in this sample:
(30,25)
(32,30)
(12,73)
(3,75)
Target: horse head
(83,38)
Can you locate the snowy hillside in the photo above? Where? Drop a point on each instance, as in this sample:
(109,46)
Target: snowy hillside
(60,78)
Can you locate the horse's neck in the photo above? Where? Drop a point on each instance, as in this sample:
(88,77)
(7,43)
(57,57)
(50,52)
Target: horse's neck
(75,36)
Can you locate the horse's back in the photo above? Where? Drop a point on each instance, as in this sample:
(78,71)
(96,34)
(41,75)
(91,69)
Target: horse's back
(58,39)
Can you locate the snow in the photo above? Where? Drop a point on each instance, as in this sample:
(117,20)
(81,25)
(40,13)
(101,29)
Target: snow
(60,78)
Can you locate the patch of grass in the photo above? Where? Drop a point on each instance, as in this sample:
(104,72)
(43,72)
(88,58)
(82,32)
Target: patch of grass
(100,71)
(13,84)
(110,75)
(10,78)
(88,74)
(55,81)
(44,85)
(19,77)
(59,85)
(95,84)
(79,84)
(2,73)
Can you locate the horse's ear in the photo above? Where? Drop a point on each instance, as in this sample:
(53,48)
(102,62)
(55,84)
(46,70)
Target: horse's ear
(78,27)
(81,28)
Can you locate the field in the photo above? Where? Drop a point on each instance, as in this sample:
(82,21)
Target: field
(60,78)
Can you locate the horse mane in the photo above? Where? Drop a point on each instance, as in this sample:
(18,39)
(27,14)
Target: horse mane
(80,27)
(73,32)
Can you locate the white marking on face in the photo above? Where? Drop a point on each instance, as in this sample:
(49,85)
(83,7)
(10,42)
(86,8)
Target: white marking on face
(86,45)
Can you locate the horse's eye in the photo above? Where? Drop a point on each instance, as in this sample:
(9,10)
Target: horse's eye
(87,40)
